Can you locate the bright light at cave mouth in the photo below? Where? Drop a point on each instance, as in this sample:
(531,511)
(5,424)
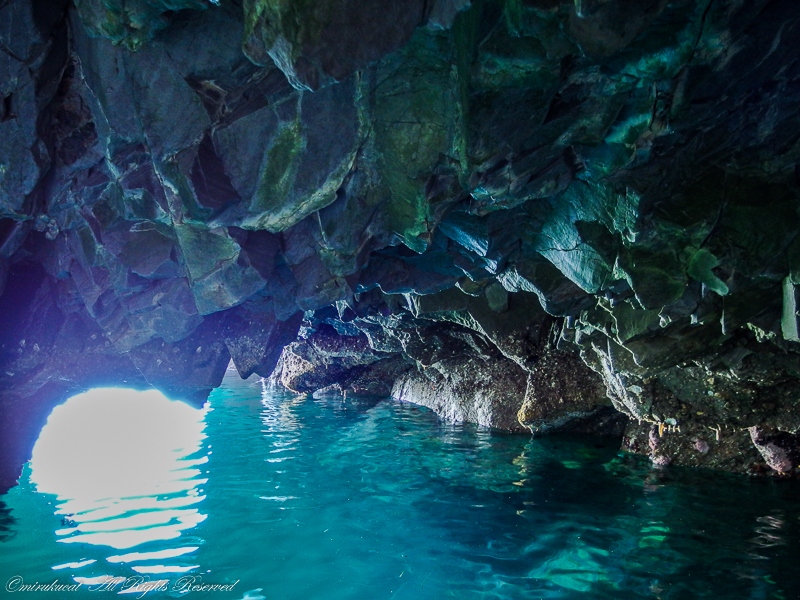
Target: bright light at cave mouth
(123,465)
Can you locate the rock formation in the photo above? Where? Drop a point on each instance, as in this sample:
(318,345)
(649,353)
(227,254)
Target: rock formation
(550,213)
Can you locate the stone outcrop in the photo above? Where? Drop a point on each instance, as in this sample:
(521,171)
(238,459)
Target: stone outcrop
(581,192)
(470,359)
(324,359)
(562,394)
(466,389)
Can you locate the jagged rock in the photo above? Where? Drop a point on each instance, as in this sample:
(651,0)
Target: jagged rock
(780,450)
(466,389)
(562,394)
(704,414)
(321,43)
(46,339)
(308,143)
(317,44)
(514,332)
(557,294)
(132,96)
(131,22)
(323,359)
(188,369)
(604,28)
(220,276)
(419,83)
(255,338)
(34,49)
(693,446)
(376,379)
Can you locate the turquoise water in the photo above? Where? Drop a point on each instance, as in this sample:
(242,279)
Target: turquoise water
(277,496)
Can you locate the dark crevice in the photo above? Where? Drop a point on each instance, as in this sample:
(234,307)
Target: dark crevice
(260,247)
(211,183)
(263,89)
(561,105)
(6,227)
(7,109)
(49,15)
(211,95)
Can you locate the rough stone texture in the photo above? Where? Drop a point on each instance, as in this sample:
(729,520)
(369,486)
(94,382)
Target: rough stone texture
(562,394)
(780,450)
(131,22)
(324,358)
(317,43)
(465,178)
(465,389)
(459,358)
(694,446)
(255,338)
(704,410)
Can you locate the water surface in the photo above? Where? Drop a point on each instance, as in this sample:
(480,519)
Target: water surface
(278,496)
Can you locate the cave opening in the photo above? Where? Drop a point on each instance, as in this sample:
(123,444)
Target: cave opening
(125,466)
(543,218)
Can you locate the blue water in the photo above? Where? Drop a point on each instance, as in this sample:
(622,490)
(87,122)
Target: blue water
(284,497)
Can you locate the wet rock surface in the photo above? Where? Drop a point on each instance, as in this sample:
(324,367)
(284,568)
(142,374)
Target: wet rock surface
(324,359)
(600,195)
(468,390)
(562,394)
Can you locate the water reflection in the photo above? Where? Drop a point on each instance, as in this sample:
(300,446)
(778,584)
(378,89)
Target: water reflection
(280,422)
(6,522)
(125,468)
(334,499)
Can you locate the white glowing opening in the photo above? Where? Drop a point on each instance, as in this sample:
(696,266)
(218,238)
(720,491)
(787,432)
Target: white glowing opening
(123,465)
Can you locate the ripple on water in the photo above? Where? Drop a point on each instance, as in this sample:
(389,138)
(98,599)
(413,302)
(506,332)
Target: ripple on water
(125,468)
(365,499)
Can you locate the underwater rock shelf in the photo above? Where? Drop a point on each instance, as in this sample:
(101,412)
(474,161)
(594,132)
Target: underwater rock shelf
(531,214)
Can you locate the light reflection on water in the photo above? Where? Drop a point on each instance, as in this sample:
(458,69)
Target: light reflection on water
(359,498)
(125,469)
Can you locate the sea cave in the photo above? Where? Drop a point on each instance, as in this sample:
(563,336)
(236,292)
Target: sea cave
(411,299)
